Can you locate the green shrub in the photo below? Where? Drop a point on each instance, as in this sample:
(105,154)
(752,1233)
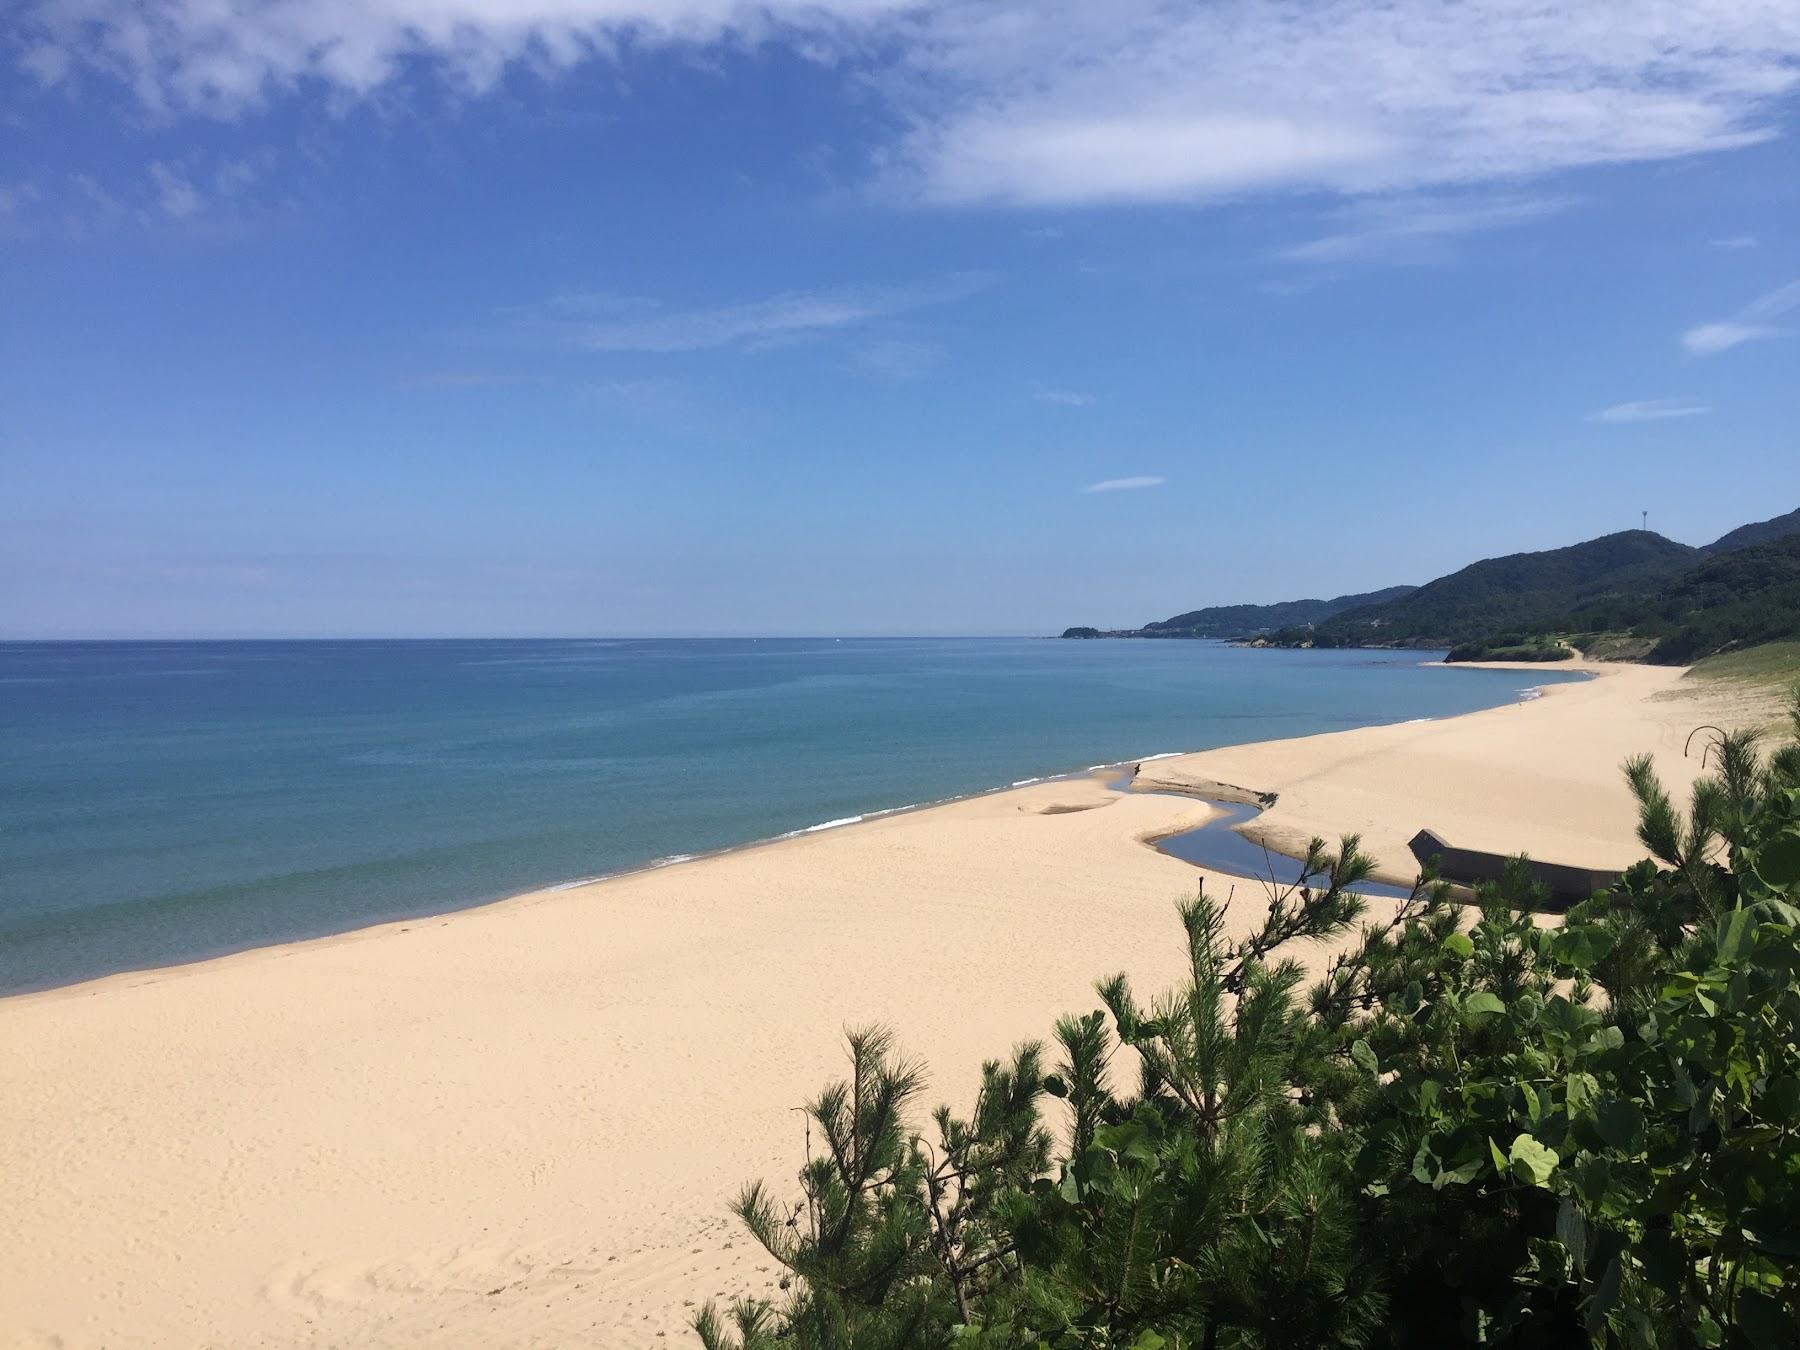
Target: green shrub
(1472,1130)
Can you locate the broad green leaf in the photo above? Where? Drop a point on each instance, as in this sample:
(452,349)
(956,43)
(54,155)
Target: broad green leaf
(1599,1303)
(1571,1231)
(1734,934)
(1765,1323)
(1532,1161)
(1778,861)
(1458,1175)
(1621,1123)
(1773,1232)
(1579,1089)
(1054,1085)
(1458,944)
(1501,1163)
(1481,1005)
(1580,945)
(1425,1163)
(1365,1056)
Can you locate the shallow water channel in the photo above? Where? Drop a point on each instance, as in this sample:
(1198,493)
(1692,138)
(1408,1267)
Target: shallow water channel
(1218,847)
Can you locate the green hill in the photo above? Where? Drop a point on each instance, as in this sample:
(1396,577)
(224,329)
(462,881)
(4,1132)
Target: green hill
(1731,600)
(1633,594)
(1522,591)
(1762,532)
(1224,621)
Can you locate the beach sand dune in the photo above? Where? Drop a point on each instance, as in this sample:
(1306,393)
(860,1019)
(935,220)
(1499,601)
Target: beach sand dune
(1542,774)
(521,1125)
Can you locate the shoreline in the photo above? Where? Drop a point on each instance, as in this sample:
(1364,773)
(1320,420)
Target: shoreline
(1290,843)
(523,1123)
(1201,792)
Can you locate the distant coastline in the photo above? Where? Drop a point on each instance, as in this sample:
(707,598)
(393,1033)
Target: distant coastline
(1630,596)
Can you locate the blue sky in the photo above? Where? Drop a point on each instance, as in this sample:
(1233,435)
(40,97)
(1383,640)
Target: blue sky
(605,316)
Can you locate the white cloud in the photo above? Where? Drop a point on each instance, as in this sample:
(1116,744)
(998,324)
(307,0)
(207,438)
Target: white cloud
(1650,410)
(1067,102)
(1124,484)
(176,196)
(611,324)
(1063,398)
(182,55)
(1735,241)
(899,358)
(1415,229)
(1055,102)
(1753,321)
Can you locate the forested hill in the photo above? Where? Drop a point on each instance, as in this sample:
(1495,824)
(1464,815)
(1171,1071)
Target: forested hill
(1672,600)
(1736,598)
(1762,532)
(1239,620)
(1521,590)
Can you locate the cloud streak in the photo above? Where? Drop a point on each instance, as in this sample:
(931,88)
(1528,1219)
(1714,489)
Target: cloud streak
(1125,484)
(1039,103)
(612,324)
(1650,410)
(1412,229)
(1752,323)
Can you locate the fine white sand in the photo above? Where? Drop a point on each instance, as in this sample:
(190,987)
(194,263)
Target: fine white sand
(520,1125)
(1543,775)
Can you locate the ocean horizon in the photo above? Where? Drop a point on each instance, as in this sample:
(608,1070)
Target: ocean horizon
(169,801)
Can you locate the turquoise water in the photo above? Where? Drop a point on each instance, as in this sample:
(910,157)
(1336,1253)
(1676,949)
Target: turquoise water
(164,801)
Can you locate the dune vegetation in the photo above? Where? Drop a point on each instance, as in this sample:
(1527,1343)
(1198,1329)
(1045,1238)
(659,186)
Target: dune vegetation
(1471,1129)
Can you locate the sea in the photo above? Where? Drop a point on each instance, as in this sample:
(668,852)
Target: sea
(166,801)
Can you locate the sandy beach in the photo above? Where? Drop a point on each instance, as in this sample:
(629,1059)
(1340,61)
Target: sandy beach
(521,1125)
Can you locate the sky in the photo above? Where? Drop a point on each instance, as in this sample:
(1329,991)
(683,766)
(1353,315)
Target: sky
(690,317)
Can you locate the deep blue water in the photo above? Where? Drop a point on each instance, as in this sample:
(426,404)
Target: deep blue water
(164,801)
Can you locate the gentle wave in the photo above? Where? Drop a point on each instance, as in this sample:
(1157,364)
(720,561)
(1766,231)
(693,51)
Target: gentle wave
(832,824)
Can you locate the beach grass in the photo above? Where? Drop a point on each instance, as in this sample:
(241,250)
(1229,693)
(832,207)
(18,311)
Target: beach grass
(1772,663)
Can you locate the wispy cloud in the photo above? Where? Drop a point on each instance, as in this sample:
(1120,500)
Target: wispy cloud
(176,196)
(1125,484)
(1650,410)
(615,324)
(192,185)
(1415,229)
(899,358)
(1754,321)
(1051,102)
(1735,241)
(1063,398)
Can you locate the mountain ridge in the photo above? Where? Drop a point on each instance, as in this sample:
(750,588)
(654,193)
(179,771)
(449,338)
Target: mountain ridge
(1669,593)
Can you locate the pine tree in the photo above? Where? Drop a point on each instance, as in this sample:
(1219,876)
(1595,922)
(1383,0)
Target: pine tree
(1472,1130)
